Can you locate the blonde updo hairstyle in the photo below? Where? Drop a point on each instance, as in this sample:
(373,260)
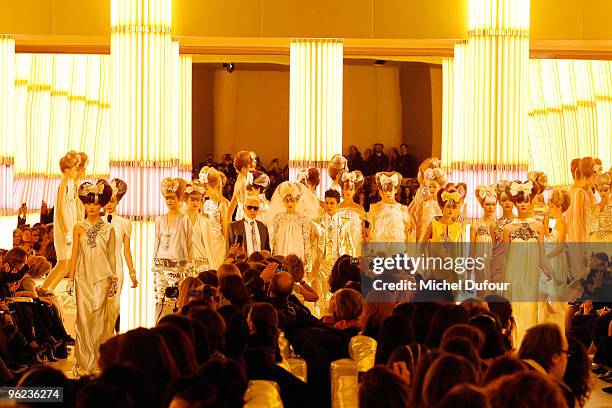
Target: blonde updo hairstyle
(502,189)
(389,186)
(586,167)
(213,182)
(84,160)
(121,187)
(560,198)
(70,160)
(347,182)
(337,165)
(540,179)
(243,159)
(313,178)
(520,196)
(180,189)
(195,186)
(429,163)
(574,167)
(484,189)
(459,188)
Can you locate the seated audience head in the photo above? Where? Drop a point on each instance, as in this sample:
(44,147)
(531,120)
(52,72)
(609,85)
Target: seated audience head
(525,389)
(256,256)
(348,305)
(229,378)
(181,348)
(133,381)
(45,376)
(465,396)
(446,316)
(103,395)
(446,371)
(343,272)
(408,355)
(493,345)
(215,327)
(233,289)
(188,291)
(227,269)
(462,347)
(282,285)
(199,395)
(465,331)
(578,373)
(376,308)
(546,345)
(503,309)
(147,350)
(14,260)
(503,366)
(17,236)
(209,278)
(395,331)
(381,387)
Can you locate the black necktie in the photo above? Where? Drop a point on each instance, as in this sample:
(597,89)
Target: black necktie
(109,217)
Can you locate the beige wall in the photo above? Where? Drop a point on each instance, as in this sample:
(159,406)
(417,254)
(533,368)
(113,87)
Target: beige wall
(249,109)
(372,110)
(550,19)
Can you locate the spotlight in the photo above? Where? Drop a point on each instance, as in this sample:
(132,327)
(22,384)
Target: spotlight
(229,66)
(379,63)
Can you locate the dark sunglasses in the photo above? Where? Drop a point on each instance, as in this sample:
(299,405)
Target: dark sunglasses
(252,208)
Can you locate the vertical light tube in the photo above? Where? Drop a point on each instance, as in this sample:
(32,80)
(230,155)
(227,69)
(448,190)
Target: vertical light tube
(7,125)
(488,140)
(315,108)
(143,136)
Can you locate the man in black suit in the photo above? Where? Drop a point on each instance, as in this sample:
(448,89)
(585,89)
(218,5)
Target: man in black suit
(248,232)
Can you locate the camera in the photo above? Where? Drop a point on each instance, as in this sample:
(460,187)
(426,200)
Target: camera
(206,294)
(172,292)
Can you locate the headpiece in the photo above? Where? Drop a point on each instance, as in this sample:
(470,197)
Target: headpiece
(169,185)
(526,188)
(88,188)
(394,179)
(289,188)
(487,193)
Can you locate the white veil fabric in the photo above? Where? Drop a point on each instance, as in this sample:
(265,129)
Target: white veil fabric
(308,203)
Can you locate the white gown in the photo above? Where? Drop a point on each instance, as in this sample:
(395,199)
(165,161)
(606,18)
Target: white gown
(292,236)
(218,247)
(522,272)
(201,254)
(122,227)
(94,270)
(63,251)
(241,191)
(483,247)
(387,222)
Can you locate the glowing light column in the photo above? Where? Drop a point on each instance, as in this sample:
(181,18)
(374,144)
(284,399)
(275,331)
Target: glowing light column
(489,121)
(141,132)
(315,128)
(7,137)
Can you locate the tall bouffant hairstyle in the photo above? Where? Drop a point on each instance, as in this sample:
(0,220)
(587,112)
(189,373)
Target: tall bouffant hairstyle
(454,193)
(337,165)
(522,196)
(429,163)
(180,186)
(196,188)
(486,193)
(396,179)
(242,159)
(502,189)
(311,177)
(560,198)
(119,188)
(587,167)
(69,160)
(536,177)
(351,180)
(260,181)
(100,194)
(84,160)
(574,166)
